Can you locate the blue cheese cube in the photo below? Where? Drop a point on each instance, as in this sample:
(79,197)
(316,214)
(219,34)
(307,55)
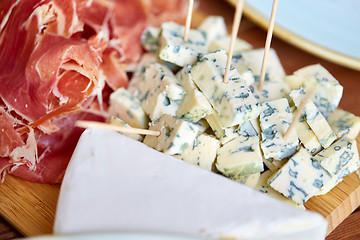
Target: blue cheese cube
(344,124)
(195,105)
(203,152)
(173,49)
(127,107)
(225,134)
(233,101)
(338,155)
(249,180)
(241,156)
(314,118)
(163,92)
(150,39)
(118,122)
(264,187)
(224,43)
(250,128)
(272,90)
(275,119)
(176,135)
(214,27)
(328,91)
(252,60)
(307,136)
(137,85)
(300,178)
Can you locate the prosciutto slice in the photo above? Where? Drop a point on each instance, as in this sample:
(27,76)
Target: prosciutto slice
(59,61)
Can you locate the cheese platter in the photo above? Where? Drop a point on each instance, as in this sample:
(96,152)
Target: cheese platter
(30,207)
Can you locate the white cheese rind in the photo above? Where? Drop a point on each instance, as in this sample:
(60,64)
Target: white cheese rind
(176,135)
(233,101)
(300,178)
(146,196)
(127,107)
(195,105)
(241,156)
(173,49)
(314,118)
(344,124)
(275,119)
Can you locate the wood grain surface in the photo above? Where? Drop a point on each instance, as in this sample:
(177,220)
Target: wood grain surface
(30,207)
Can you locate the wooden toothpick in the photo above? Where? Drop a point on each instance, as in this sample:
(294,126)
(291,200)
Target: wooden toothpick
(298,113)
(267,44)
(188,20)
(92,124)
(234,32)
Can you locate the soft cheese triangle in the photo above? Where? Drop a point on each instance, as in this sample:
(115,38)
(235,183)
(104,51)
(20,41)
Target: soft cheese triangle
(114,183)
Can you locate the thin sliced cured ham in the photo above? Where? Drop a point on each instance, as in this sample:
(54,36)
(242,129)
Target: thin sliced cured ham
(59,60)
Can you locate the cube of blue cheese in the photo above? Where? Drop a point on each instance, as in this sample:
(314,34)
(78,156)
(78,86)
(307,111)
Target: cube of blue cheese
(344,124)
(252,60)
(275,119)
(241,156)
(233,101)
(225,134)
(264,187)
(214,27)
(249,180)
(203,152)
(150,39)
(163,92)
(300,178)
(176,135)
(137,85)
(328,91)
(314,118)
(337,156)
(118,122)
(127,107)
(195,105)
(173,49)
(307,136)
(250,128)
(224,43)
(272,90)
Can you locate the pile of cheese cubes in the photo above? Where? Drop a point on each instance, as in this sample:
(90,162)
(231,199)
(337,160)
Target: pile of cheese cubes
(233,128)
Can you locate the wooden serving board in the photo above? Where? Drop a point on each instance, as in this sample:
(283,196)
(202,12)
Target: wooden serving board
(30,207)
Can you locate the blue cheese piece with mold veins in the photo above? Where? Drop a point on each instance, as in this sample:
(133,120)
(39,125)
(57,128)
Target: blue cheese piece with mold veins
(250,128)
(272,90)
(118,122)
(314,118)
(307,136)
(241,156)
(224,43)
(176,135)
(233,101)
(337,156)
(163,92)
(344,124)
(252,60)
(275,119)
(225,134)
(150,39)
(328,91)
(203,152)
(264,187)
(195,105)
(300,178)
(173,49)
(214,27)
(127,107)
(138,84)
(249,180)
